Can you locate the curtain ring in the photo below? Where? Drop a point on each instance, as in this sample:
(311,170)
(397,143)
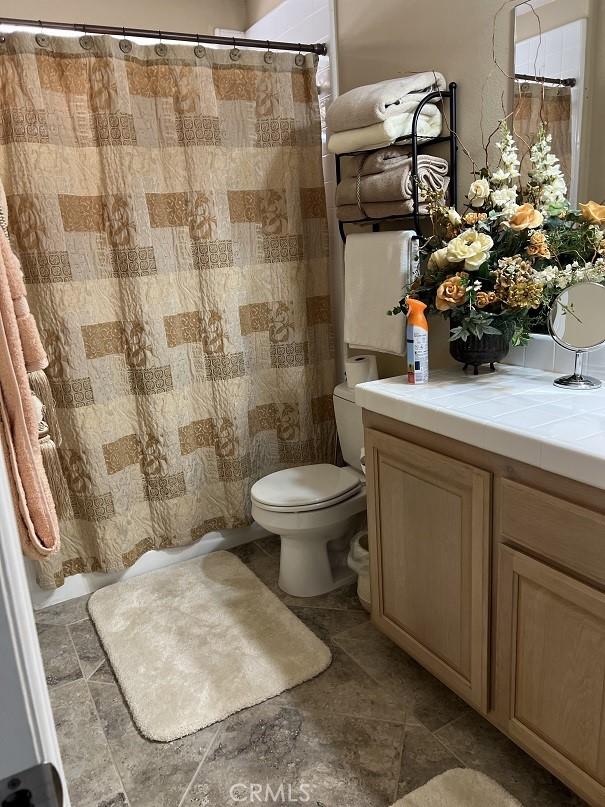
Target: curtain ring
(125,44)
(86,42)
(299,59)
(161,49)
(199,50)
(268,54)
(235,53)
(42,39)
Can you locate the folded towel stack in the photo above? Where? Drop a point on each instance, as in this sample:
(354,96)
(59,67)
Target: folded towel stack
(373,116)
(380,184)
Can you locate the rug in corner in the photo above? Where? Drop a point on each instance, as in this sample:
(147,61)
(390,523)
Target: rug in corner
(459,787)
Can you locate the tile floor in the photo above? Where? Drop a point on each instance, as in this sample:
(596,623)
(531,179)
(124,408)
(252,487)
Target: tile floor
(367,731)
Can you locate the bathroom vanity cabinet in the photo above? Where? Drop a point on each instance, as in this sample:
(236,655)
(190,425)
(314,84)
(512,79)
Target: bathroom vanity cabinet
(491,573)
(429,516)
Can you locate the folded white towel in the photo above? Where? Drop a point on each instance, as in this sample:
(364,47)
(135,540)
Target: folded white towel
(377,268)
(373,103)
(382,134)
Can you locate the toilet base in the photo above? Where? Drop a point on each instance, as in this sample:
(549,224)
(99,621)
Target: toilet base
(312,564)
(314,544)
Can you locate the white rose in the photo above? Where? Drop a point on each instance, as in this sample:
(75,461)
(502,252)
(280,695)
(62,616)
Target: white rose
(482,244)
(438,259)
(471,247)
(454,217)
(479,192)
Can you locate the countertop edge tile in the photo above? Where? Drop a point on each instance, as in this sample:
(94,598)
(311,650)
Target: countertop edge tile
(420,406)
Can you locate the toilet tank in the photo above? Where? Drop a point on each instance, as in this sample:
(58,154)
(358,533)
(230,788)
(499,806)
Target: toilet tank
(349,425)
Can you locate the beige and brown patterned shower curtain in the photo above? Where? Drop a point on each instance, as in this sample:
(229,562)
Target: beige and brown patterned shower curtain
(535,105)
(169,214)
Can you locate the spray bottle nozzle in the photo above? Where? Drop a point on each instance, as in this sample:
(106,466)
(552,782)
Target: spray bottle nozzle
(415,312)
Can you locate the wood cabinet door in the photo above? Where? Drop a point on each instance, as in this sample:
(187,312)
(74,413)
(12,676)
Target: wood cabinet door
(429,531)
(550,675)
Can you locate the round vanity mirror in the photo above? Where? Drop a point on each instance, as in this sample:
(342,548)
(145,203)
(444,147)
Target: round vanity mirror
(577,322)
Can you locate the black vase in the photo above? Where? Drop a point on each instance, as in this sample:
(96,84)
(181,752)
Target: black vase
(492,347)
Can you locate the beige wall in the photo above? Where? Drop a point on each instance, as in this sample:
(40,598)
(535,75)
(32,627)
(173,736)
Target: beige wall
(454,37)
(180,15)
(258,8)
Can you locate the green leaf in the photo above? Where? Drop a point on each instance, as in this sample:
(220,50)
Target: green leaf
(455,333)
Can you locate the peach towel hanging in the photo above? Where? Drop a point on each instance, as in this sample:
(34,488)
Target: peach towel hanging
(21,351)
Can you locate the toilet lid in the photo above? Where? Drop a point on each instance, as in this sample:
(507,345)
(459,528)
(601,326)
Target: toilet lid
(306,485)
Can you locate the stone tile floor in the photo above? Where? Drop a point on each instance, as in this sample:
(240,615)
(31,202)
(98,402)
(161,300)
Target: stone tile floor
(367,731)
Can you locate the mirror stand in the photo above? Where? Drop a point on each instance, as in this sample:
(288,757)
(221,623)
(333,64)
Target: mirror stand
(576,380)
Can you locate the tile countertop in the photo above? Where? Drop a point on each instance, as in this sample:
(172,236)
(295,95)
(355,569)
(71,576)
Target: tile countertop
(515,412)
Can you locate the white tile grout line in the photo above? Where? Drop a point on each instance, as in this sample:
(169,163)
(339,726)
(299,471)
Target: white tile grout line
(419,722)
(58,624)
(401,755)
(300,710)
(262,549)
(96,669)
(55,687)
(199,767)
(444,745)
(440,742)
(73,644)
(96,711)
(109,751)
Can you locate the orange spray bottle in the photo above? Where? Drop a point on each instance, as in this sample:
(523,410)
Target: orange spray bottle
(417,338)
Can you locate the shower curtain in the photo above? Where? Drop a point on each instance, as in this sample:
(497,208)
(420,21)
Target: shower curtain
(169,214)
(535,104)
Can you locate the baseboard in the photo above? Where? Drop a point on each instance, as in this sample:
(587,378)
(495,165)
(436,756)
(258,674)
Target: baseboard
(78,585)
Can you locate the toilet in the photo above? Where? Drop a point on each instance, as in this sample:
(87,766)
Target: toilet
(316,509)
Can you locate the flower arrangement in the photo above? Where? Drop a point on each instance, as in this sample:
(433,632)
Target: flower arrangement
(496,267)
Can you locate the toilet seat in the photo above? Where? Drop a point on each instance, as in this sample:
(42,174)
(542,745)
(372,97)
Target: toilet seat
(308,487)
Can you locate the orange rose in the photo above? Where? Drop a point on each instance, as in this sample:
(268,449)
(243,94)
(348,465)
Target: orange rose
(472,218)
(485,298)
(593,212)
(526,217)
(538,245)
(452,292)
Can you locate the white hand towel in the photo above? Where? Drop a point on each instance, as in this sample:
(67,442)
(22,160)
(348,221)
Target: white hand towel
(377,268)
(382,134)
(373,103)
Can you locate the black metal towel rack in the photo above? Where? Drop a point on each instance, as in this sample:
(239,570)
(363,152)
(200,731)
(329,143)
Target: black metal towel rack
(416,143)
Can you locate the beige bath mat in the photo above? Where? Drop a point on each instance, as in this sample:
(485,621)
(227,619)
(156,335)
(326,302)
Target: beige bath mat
(198,641)
(459,787)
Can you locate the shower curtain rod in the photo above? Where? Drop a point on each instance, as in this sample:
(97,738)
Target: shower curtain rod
(561,82)
(146,33)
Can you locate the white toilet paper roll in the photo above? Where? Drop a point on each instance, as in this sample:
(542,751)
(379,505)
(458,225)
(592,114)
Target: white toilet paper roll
(359,369)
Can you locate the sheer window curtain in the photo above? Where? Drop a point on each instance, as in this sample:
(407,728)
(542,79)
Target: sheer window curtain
(169,214)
